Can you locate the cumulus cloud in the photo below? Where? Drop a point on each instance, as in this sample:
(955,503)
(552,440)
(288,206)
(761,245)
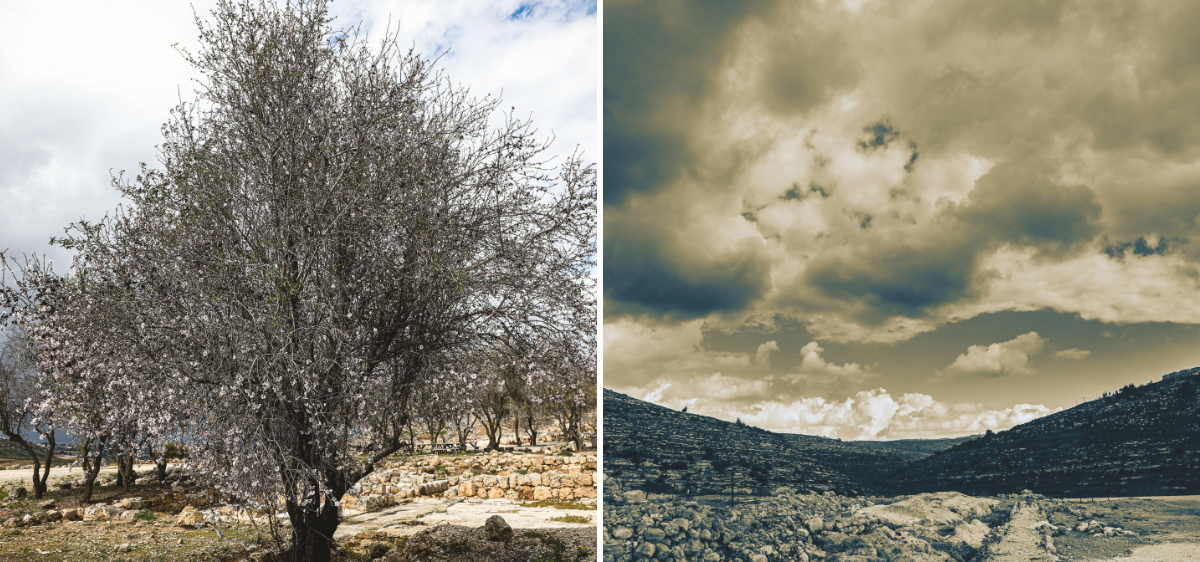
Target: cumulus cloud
(874,414)
(1005,358)
(814,363)
(762,355)
(1072,354)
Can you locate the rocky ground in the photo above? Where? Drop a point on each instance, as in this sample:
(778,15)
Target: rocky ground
(181,521)
(944,526)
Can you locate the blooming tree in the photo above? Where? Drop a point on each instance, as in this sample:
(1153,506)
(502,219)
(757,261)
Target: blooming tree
(18,399)
(332,226)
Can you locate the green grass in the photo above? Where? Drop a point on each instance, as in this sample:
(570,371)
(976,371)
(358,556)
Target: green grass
(571,519)
(559,505)
(566,454)
(145,515)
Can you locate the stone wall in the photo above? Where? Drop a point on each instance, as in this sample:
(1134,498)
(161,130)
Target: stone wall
(493,476)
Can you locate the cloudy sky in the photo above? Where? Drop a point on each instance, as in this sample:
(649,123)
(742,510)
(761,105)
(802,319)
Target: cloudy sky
(897,218)
(85,87)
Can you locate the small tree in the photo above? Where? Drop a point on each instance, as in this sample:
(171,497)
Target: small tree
(18,397)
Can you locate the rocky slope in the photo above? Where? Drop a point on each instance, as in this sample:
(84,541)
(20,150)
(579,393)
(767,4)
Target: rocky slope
(663,450)
(1138,441)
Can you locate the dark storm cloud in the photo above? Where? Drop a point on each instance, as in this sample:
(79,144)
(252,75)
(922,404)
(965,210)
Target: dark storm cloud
(646,275)
(897,280)
(1010,204)
(659,60)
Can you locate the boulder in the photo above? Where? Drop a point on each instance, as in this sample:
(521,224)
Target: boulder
(190,517)
(48,504)
(18,492)
(102,512)
(497,529)
(635,496)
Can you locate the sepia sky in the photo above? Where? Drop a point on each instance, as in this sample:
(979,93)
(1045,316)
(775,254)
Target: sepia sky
(892,219)
(85,87)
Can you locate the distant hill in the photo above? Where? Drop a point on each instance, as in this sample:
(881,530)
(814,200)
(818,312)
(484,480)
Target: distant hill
(1140,440)
(649,446)
(915,449)
(13,453)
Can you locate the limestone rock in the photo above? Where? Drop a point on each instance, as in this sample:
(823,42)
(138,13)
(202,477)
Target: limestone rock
(18,492)
(190,517)
(497,529)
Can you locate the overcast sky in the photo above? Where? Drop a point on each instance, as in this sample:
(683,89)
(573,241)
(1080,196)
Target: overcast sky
(887,219)
(85,87)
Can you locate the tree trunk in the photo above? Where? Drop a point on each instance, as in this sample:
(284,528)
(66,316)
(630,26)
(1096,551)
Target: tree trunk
(91,471)
(39,484)
(39,487)
(160,463)
(494,431)
(517,426)
(532,429)
(312,533)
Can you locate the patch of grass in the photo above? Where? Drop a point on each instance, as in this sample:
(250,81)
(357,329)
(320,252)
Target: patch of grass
(565,453)
(522,471)
(476,471)
(582,552)
(571,519)
(145,515)
(559,505)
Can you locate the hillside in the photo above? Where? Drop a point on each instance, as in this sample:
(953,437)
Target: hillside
(915,449)
(1141,440)
(659,449)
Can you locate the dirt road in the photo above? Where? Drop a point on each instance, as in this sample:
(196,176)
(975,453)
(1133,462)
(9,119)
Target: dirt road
(1022,542)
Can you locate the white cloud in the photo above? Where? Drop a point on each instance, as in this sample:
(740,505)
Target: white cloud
(82,94)
(815,364)
(874,414)
(1072,354)
(656,395)
(1005,358)
(762,356)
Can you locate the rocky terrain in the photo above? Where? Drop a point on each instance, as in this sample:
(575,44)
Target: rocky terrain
(430,507)
(942,527)
(1138,441)
(514,476)
(662,450)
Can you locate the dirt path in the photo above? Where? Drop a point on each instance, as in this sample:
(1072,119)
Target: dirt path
(26,474)
(1021,542)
